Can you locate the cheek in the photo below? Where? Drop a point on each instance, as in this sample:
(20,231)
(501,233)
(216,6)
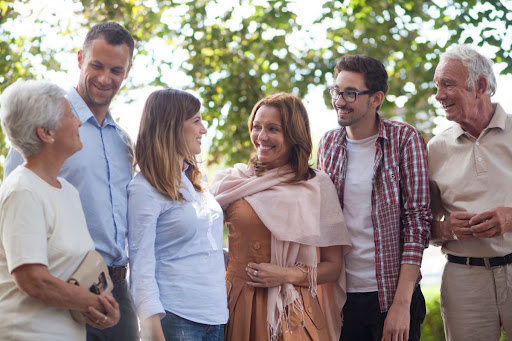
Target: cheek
(254,137)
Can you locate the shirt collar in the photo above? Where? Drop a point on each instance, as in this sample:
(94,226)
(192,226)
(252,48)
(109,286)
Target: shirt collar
(498,120)
(82,111)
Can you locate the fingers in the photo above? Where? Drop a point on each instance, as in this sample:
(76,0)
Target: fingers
(112,310)
(462,215)
(482,217)
(108,319)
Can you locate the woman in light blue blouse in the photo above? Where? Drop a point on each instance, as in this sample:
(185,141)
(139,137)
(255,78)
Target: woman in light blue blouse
(175,227)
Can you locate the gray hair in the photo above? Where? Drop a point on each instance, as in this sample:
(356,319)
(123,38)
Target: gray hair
(476,64)
(26,105)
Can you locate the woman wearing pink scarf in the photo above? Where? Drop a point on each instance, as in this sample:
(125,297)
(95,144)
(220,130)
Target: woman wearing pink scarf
(286,233)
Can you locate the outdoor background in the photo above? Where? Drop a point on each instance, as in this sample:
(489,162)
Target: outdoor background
(232,53)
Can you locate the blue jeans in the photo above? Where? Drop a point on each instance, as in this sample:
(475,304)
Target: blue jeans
(176,328)
(128,327)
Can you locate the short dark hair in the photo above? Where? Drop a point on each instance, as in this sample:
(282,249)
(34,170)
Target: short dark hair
(113,33)
(375,75)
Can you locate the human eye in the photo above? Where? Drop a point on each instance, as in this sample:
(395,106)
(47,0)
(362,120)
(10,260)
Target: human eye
(350,95)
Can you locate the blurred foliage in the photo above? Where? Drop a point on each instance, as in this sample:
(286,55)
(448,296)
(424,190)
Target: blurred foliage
(253,48)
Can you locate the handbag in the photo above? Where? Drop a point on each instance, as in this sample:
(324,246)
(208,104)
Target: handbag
(92,275)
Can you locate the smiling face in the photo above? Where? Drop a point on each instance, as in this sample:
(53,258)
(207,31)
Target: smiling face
(458,101)
(267,136)
(193,129)
(360,112)
(66,137)
(103,67)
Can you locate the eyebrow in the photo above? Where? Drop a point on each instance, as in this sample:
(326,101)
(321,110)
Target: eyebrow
(348,88)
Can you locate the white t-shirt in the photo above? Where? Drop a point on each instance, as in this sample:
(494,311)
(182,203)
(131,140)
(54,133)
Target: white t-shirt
(357,208)
(39,224)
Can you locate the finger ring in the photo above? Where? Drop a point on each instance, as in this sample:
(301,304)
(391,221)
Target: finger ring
(105,320)
(97,321)
(255,273)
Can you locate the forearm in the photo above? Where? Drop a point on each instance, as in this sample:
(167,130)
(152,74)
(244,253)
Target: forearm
(406,284)
(328,269)
(152,329)
(38,283)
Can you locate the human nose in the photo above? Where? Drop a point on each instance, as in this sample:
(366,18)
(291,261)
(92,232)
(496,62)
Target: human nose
(440,95)
(103,77)
(262,136)
(203,129)
(78,121)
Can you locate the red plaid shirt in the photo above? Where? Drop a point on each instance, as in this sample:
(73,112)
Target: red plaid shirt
(400,197)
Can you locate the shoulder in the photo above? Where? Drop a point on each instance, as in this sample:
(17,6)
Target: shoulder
(140,187)
(400,133)
(332,135)
(399,127)
(21,186)
(441,139)
(322,179)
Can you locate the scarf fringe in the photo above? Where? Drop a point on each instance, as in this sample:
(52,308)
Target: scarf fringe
(291,299)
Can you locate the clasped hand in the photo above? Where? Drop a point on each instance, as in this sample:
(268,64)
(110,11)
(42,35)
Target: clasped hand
(492,223)
(266,275)
(103,319)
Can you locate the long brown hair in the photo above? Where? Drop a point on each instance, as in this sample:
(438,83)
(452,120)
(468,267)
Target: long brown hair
(296,131)
(161,141)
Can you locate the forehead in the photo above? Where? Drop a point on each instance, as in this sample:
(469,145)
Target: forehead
(268,114)
(100,50)
(350,80)
(450,70)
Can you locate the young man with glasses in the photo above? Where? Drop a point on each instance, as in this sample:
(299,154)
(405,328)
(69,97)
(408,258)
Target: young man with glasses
(379,168)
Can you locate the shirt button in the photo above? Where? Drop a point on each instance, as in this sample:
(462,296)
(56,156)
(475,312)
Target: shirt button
(256,246)
(477,143)
(479,159)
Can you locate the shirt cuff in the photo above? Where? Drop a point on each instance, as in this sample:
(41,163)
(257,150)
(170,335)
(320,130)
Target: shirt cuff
(412,253)
(148,309)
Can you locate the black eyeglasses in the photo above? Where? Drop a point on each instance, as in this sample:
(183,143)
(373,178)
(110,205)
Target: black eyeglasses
(348,96)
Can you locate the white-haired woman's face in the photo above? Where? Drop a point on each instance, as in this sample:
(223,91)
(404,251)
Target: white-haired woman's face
(66,137)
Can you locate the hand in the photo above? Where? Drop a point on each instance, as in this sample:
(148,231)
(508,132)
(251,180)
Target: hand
(492,223)
(265,275)
(459,225)
(99,320)
(396,324)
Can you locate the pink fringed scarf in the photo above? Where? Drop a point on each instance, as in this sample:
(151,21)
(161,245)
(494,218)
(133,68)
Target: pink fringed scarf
(301,217)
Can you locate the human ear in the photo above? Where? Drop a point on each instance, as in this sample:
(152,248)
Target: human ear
(378,98)
(481,86)
(45,134)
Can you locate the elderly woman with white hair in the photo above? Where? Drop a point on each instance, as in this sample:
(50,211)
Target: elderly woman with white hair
(43,233)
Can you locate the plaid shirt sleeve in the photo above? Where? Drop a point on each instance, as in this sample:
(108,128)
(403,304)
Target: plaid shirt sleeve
(416,215)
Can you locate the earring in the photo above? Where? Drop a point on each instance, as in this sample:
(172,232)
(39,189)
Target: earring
(53,140)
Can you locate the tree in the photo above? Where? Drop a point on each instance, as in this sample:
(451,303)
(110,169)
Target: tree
(236,55)
(408,36)
(14,61)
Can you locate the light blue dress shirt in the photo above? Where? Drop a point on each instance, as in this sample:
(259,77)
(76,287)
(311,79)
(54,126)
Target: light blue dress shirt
(176,256)
(101,172)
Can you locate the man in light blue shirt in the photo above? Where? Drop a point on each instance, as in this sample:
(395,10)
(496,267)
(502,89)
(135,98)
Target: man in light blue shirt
(102,170)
